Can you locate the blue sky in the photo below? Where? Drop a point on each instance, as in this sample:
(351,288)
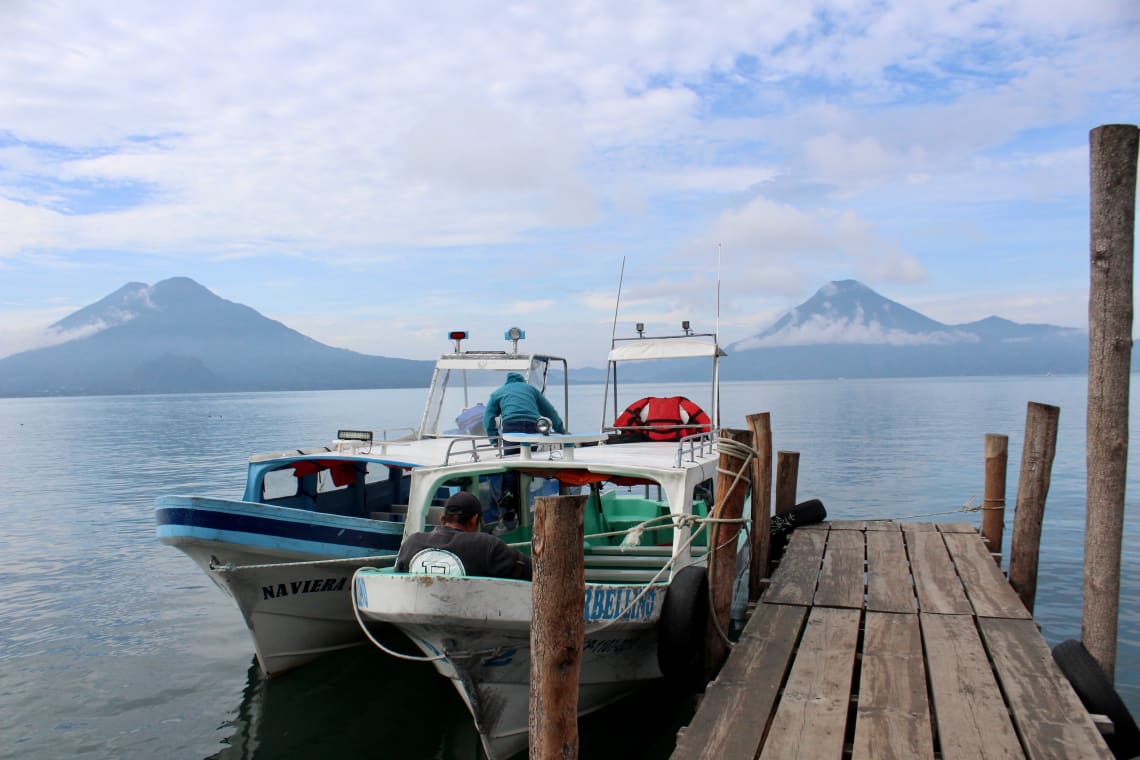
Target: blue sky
(375,177)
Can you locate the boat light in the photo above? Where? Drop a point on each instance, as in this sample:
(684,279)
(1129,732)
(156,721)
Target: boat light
(354,435)
(514,335)
(458,336)
(685,327)
(543,425)
(640,327)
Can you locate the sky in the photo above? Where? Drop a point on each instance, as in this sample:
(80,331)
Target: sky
(377,174)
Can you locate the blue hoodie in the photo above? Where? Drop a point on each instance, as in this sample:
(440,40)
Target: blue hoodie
(516,400)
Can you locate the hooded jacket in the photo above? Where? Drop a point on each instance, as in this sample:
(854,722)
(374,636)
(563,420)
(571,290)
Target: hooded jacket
(516,400)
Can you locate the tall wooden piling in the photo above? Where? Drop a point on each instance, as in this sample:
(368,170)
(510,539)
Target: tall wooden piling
(993,498)
(557,626)
(761,426)
(787,475)
(1032,488)
(1112,211)
(730,493)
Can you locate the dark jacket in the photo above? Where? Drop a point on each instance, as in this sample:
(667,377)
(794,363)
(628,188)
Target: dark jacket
(480,553)
(516,400)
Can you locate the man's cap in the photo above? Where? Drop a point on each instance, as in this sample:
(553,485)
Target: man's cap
(463,505)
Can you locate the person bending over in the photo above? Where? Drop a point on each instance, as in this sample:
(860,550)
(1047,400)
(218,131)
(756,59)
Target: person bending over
(458,547)
(518,404)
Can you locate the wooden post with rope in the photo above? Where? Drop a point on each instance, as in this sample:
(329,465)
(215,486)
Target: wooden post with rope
(557,626)
(993,499)
(1112,212)
(1032,488)
(761,502)
(730,493)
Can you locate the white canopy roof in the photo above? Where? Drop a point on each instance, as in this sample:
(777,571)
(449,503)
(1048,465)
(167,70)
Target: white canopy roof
(685,347)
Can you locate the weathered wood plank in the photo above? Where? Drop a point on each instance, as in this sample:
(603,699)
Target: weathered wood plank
(972,719)
(986,587)
(959,527)
(889,584)
(737,706)
(1049,717)
(795,579)
(893,717)
(887,525)
(915,527)
(811,717)
(841,579)
(935,583)
(847,524)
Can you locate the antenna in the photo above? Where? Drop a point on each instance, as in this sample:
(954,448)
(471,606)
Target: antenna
(617,302)
(716,333)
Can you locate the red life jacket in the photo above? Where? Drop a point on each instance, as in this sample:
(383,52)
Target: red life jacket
(664,418)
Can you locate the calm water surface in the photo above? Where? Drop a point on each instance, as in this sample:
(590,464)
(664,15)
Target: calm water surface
(113,645)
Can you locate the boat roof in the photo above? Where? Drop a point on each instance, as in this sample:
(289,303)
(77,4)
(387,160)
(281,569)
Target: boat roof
(492,360)
(677,347)
(419,452)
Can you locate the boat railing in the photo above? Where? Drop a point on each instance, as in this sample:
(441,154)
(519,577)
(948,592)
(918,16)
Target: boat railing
(697,445)
(468,446)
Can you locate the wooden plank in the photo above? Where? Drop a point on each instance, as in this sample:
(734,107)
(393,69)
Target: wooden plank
(986,587)
(893,717)
(917,527)
(738,704)
(847,524)
(795,579)
(887,525)
(971,716)
(935,583)
(811,718)
(889,585)
(960,527)
(841,579)
(1048,715)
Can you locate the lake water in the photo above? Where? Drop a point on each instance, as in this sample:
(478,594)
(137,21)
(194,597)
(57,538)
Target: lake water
(113,645)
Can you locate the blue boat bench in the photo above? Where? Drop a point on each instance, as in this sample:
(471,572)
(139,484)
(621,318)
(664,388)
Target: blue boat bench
(890,640)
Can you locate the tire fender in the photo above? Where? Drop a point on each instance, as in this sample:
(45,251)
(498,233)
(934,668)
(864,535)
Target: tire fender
(1098,696)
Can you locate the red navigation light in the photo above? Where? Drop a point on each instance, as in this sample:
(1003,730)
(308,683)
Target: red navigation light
(457,335)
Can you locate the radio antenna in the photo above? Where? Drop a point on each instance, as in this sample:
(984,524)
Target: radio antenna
(617,302)
(718,252)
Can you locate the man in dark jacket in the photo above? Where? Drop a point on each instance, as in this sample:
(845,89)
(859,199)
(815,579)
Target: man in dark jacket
(458,547)
(518,404)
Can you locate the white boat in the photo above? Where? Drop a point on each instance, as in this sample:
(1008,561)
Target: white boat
(643,603)
(285,552)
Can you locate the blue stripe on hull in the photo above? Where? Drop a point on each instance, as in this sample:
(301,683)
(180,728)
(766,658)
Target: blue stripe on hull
(252,542)
(209,524)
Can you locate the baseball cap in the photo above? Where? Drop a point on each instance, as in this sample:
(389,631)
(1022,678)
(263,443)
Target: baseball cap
(463,505)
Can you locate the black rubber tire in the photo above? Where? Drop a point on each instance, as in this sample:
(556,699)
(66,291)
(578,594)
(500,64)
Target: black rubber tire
(1098,696)
(681,628)
(808,512)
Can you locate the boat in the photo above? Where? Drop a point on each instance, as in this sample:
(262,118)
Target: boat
(309,517)
(645,548)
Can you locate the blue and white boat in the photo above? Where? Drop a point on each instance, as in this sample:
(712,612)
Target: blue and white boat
(286,551)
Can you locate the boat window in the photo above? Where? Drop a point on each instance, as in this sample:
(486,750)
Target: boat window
(279,484)
(375,473)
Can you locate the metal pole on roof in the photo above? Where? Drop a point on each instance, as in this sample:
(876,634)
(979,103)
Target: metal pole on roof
(613,338)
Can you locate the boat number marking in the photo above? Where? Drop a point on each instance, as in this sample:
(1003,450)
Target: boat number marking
(603,603)
(307,586)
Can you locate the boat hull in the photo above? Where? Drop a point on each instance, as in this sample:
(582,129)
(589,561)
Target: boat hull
(290,582)
(479,631)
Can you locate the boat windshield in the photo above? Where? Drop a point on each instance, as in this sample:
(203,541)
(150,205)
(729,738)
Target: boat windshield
(463,382)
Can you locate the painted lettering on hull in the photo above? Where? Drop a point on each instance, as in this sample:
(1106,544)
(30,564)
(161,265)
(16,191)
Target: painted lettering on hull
(607,603)
(306,586)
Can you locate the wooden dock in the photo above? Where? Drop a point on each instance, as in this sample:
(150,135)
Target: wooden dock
(885,640)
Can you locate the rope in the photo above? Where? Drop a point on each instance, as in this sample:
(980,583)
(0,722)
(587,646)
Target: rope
(969,506)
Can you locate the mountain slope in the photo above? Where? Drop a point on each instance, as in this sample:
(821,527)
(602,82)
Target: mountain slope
(177,336)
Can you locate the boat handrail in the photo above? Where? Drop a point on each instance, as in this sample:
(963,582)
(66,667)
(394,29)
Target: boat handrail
(698,444)
(475,447)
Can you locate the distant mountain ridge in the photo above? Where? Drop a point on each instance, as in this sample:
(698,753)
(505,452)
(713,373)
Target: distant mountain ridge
(178,337)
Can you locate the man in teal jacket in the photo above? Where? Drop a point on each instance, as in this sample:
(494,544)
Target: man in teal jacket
(519,404)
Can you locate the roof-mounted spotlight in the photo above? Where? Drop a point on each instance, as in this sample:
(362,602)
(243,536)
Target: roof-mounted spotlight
(685,327)
(458,336)
(640,327)
(543,425)
(514,335)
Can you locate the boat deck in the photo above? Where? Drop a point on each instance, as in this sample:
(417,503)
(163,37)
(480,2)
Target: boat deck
(888,640)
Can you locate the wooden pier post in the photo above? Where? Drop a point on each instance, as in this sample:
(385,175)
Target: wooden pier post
(787,475)
(722,547)
(761,426)
(557,626)
(993,499)
(1032,488)
(1112,212)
